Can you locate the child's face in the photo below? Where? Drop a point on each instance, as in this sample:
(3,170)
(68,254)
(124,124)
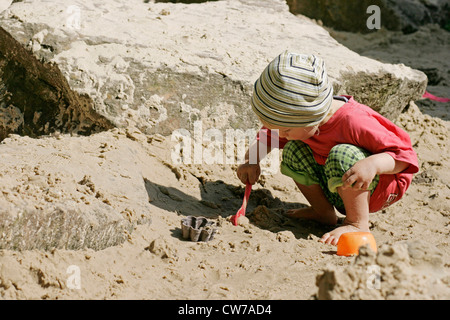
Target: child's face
(290,133)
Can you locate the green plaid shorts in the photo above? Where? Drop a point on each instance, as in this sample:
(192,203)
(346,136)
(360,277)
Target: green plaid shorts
(299,164)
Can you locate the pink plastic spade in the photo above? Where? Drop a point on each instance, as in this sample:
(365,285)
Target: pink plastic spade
(241,211)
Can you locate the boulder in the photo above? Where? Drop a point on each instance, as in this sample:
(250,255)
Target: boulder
(163,66)
(404,15)
(75,193)
(35,98)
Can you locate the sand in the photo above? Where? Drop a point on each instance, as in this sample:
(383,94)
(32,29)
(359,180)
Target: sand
(268,256)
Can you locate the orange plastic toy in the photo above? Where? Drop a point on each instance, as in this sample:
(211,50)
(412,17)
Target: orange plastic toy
(350,242)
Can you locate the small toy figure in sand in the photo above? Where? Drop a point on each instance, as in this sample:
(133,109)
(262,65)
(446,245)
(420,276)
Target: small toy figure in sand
(341,154)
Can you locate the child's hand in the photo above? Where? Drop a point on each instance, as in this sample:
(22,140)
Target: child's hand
(364,171)
(360,175)
(248,173)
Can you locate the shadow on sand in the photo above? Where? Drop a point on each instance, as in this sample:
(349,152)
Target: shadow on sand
(219,199)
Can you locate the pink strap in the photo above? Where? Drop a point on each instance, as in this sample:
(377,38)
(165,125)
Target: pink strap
(428,95)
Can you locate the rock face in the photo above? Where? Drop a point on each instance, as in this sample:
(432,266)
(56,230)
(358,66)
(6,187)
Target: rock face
(162,66)
(404,15)
(35,98)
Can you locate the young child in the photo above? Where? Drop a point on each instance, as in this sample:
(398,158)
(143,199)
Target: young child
(340,153)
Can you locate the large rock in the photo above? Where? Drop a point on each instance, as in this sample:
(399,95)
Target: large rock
(162,66)
(35,98)
(404,15)
(74,193)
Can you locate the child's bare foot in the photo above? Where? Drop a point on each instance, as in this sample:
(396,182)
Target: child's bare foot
(332,237)
(309,214)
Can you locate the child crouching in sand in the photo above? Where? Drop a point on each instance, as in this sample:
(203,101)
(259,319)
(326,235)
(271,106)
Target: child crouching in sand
(340,153)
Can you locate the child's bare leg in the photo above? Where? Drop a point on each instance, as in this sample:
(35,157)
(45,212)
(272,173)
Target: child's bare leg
(356,204)
(320,210)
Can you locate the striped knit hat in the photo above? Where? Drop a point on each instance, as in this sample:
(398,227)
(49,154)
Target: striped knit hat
(293,91)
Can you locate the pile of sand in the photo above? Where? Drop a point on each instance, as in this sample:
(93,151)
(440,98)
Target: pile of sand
(405,270)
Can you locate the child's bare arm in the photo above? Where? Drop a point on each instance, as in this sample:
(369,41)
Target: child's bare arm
(364,171)
(250,170)
(257,151)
